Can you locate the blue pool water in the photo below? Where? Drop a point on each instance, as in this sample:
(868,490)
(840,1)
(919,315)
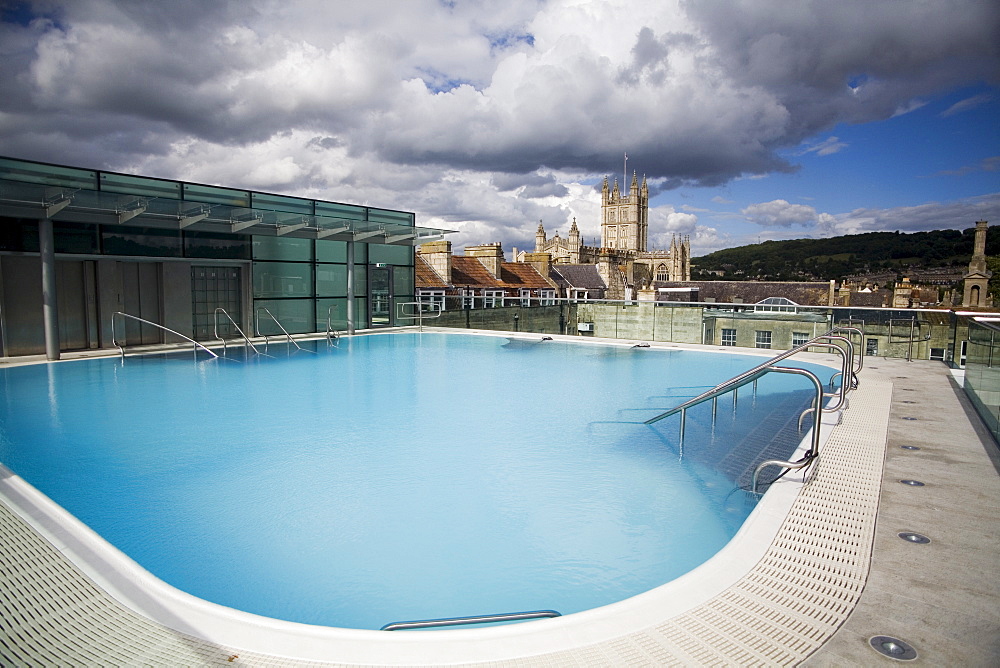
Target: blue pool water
(403,476)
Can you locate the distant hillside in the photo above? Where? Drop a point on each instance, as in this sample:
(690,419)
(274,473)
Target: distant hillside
(837,257)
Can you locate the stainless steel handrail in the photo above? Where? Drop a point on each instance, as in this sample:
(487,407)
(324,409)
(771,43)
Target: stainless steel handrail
(330,333)
(114,336)
(216,331)
(419,315)
(734,382)
(478,619)
(813,452)
(256,326)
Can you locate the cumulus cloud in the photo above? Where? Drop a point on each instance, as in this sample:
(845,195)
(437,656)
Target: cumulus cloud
(780,213)
(959,214)
(478,115)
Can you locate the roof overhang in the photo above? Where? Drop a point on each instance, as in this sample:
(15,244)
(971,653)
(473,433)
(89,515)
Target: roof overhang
(67,205)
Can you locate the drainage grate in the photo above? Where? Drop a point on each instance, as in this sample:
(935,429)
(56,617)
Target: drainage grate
(912,537)
(894,648)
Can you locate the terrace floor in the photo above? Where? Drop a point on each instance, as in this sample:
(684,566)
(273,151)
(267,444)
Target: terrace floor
(943,598)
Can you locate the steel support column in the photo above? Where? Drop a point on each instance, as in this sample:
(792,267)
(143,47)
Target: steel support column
(350,287)
(50,297)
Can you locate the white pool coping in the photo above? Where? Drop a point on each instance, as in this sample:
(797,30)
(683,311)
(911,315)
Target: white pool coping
(140,591)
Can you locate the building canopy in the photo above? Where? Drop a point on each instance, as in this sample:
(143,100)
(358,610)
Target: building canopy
(67,194)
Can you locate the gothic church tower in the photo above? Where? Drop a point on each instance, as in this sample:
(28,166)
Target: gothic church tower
(625,218)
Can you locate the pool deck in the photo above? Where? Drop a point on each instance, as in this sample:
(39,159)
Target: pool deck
(943,598)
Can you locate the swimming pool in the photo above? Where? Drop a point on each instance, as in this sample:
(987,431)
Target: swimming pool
(546,433)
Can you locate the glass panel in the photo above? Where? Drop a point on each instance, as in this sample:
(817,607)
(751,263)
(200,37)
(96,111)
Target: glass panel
(402,281)
(140,185)
(76,238)
(331,251)
(381,253)
(297,316)
(217,245)
(336,310)
(282,279)
(345,211)
(381,296)
(360,253)
(331,280)
(360,280)
(19,234)
(141,241)
(361,312)
(34,172)
(215,195)
(281,203)
(282,248)
(386,216)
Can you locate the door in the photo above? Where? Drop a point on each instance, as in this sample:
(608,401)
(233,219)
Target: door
(212,288)
(871,348)
(380,296)
(140,283)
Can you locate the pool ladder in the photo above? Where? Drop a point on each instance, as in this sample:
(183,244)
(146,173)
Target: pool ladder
(849,381)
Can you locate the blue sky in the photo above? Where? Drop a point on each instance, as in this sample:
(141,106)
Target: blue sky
(752,119)
(945,151)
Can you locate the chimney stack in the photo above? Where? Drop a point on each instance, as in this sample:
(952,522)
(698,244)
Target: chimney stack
(490,255)
(437,254)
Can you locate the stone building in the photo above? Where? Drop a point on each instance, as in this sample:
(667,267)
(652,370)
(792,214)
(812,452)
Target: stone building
(623,259)
(481,278)
(977,279)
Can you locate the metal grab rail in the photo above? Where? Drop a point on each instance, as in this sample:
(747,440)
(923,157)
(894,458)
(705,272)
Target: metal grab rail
(860,355)
(330,333)
(256,326)
(479,619)
(216,331)
(419,314)
(813,452)
(733,383)
(114,336)
(848,363)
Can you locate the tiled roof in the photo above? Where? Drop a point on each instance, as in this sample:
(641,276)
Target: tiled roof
(521,275)
(427,277)
(470,272)
(580,276)
(751,292)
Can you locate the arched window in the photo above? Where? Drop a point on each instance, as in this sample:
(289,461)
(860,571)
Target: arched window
(661,272)
(776,304)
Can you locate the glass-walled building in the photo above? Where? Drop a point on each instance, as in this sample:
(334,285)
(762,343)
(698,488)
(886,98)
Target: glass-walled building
(78,246)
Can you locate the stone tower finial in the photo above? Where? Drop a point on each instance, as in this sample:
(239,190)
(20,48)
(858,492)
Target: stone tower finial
(635,183)
(539,238)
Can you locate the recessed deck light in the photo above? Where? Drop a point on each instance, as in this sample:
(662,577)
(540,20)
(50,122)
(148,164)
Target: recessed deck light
(908,447)
(912,483)
(893,648)
(911,537)
(911,418)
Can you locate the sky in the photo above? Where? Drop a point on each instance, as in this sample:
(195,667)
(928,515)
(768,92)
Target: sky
(751,120)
